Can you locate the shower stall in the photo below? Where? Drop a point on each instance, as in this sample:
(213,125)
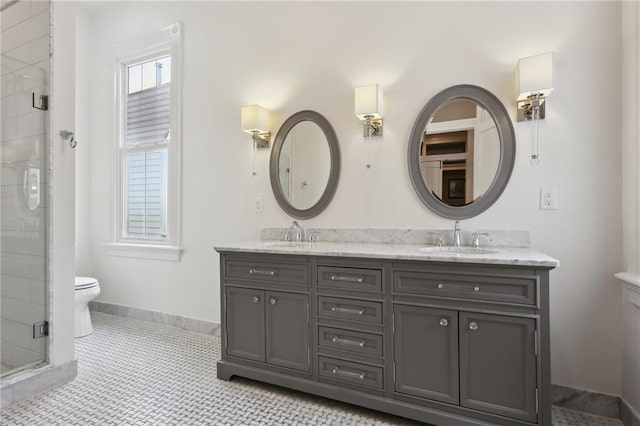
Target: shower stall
(23,215)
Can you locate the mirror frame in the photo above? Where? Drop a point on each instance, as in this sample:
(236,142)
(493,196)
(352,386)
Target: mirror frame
(334,172)
(498,112)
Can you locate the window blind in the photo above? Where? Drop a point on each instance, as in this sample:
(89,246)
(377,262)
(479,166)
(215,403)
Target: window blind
(148,116)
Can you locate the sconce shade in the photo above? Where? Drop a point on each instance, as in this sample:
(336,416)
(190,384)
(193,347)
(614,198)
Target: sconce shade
(368,102)
(535,76)
(254,119)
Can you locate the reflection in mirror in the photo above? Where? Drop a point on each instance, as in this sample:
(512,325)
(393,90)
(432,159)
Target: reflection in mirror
(304,165)
(459,152)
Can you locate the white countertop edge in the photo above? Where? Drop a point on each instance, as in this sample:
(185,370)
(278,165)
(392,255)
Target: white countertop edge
(508,256)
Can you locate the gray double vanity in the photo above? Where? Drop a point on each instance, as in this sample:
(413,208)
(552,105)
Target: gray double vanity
(447,327)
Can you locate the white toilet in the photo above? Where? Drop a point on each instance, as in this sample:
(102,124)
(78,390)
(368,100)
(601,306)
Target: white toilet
(87,289)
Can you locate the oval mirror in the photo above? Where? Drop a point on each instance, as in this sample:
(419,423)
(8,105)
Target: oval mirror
(461,151)
(305,164)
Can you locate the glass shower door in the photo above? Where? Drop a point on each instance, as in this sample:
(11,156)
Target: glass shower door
(23,215)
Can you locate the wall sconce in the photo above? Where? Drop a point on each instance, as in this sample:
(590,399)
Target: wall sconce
(534,79)
(368,108)
(254,119)
(535,83)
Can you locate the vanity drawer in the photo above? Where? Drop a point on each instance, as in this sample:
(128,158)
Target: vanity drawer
(351,372)
(486,288)
(350,278)
(357,310)
(349,340)
(267,271)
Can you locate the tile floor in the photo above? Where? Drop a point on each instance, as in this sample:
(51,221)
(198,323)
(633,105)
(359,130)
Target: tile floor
(133,372)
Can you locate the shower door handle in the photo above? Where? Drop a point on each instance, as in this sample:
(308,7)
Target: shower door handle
(70,136)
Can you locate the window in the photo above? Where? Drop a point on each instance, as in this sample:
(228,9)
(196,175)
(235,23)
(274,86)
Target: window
(144,150)
(148,150)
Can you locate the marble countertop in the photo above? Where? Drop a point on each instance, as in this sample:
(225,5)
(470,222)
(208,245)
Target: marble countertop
(503,255)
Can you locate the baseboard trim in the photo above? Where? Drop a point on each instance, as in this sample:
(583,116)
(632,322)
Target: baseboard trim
(185,323)
(586,401)
(628,415)
(32,382)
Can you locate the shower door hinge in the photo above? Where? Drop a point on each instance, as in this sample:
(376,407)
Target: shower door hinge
(44,102)
(40,329)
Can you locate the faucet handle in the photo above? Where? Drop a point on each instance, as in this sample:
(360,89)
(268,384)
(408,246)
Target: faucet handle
(313,236)
(439,239)
(475,242)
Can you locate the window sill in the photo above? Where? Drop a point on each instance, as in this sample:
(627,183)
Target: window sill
(631,283)
(144,251)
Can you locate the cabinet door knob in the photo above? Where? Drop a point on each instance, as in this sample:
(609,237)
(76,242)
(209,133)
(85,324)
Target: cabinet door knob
(440,285)
(444,322)
(476,289)
(256,299)
(272,301)
(473,326)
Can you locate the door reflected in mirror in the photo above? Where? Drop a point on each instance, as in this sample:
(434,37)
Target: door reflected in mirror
(304,165)
(459,152)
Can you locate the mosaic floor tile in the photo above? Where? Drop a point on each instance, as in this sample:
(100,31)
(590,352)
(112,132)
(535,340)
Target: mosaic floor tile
(133,372)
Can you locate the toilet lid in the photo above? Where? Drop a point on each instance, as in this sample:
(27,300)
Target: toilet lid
(85,282)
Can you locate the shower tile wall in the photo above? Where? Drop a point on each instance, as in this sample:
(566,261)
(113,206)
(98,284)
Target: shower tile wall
(25,40)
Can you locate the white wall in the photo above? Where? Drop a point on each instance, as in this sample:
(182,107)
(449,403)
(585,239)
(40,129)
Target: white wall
(294,56)
(83,150)
(62,178)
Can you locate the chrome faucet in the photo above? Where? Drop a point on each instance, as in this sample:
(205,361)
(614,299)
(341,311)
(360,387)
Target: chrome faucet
(456,234)
(299,231)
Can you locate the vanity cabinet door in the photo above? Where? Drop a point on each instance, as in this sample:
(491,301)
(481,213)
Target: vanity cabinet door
(498,365)
(287,330)
(245,329)
(426,352)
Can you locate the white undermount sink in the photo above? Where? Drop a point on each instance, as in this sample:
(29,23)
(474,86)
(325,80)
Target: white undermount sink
(458,250)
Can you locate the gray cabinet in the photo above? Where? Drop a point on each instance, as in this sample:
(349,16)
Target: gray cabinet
(245,323)
(266,311)
(287,330)
(498,364)
(480,361)
(426,352)
(442,343)
(268,326)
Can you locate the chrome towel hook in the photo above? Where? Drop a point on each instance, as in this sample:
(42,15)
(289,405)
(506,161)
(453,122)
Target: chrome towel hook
(68,135)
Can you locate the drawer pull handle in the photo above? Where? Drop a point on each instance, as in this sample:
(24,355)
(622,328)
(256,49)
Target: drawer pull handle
(444,322)
(458,287)
(349,374)
(256,299)
(254,271)
(335,308)
(273,301)
(473,326)
(347,279)
(342,341)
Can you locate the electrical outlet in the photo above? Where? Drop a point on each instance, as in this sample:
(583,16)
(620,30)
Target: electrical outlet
(258,205)
(548,198)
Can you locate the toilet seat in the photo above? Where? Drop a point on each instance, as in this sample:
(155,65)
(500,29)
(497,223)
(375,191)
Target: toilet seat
(83,283)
